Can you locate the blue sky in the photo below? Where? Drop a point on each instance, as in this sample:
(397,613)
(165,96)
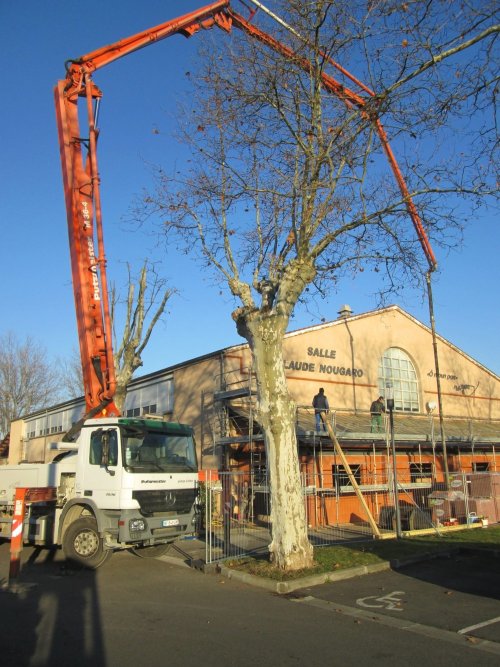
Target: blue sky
(140,93)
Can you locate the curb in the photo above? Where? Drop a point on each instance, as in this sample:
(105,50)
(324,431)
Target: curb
(284,587)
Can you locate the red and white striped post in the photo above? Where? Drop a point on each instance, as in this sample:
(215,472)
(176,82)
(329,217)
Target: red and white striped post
(16,535)
(23,496)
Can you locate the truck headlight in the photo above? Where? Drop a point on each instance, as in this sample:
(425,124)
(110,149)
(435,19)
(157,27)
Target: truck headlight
(137,525)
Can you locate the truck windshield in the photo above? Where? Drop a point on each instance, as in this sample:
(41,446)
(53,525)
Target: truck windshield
(152,451)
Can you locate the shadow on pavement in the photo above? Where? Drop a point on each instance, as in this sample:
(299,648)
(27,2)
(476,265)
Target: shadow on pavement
(472,572)
(50,609)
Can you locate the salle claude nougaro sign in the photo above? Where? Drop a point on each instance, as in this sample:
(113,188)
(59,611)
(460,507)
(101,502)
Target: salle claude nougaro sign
(320,366)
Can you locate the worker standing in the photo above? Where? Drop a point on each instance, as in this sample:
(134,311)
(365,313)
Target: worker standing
(321,407)
(376,410)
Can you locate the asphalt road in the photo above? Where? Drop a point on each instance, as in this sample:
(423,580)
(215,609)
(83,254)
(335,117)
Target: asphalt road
(459,594)
(155,613)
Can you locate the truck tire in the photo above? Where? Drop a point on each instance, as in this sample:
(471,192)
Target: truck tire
(83,545)
(151,552)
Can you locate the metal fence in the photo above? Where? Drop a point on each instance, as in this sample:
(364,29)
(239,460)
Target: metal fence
(236,518)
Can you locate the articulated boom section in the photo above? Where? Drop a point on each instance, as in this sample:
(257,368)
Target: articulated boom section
(81,179)
(81,189)
(83,205)
(351,99)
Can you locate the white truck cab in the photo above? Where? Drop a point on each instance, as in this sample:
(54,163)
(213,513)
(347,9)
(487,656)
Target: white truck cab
(125,483)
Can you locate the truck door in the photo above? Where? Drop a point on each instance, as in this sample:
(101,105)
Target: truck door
(102,470)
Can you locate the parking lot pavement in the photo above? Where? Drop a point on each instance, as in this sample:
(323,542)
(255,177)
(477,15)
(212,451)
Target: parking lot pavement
(148,611)
(51,562)
(458,594)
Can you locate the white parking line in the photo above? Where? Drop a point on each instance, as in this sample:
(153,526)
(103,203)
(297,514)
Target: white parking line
(463,631)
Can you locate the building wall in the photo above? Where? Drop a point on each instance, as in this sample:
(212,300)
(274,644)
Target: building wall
(335,501)
(16,442)
(194,385)
(237,367)
(344,356)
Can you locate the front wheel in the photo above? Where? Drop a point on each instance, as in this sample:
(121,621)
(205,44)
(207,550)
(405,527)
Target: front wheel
(83,545)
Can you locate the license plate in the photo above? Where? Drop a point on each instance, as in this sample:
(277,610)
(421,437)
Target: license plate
(170,522)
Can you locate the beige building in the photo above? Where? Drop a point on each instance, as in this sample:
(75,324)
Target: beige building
(354,358)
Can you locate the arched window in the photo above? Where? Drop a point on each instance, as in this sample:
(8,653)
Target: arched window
(397,369)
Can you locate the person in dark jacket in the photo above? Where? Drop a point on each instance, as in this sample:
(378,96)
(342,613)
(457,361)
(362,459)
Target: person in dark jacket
(321,407)
(376,410)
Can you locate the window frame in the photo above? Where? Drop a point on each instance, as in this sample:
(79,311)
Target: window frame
(397,368)
(421,472)
(339,475)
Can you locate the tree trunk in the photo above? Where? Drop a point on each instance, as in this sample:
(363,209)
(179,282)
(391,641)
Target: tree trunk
(120,396)
(290,547)
(130,362)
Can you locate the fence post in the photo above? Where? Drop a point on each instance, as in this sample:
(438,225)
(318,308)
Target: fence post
(466,483)
(226,511)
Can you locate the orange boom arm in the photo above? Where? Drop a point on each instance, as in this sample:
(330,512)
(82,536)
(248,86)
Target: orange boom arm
(83,203)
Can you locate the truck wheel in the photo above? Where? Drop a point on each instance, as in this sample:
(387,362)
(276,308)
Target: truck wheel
(82,544)
(151,552)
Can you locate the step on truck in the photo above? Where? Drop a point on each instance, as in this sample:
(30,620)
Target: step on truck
(124,484)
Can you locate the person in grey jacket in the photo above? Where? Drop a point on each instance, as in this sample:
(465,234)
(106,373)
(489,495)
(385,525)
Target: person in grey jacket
(321,407)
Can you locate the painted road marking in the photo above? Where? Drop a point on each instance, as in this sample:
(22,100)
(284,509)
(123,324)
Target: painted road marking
(463,631)
(390,601)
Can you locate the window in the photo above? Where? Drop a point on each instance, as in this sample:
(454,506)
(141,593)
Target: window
(397,370)
(96,447)
(341,478)
(420,472)
(152,397)
(46,424)
(482,466)
(153,450)
(145,410)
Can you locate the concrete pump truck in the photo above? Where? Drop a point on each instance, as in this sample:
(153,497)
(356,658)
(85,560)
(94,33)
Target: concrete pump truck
(117,483)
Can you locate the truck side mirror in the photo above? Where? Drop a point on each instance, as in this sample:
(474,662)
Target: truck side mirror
(105,452)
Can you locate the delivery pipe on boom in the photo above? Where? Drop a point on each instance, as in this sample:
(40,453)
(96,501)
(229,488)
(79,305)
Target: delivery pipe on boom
(352,99)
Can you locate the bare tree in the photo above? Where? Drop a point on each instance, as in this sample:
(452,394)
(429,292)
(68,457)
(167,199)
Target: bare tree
(28,380)
(288,190)
(144,305)
(71,375)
